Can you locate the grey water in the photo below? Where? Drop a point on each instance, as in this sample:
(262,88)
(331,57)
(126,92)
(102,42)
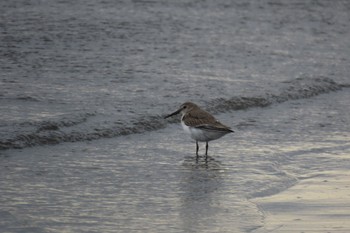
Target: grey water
(84,86)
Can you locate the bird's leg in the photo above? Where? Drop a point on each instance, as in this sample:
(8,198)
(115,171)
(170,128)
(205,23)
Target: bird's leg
(206,150)
(197,148)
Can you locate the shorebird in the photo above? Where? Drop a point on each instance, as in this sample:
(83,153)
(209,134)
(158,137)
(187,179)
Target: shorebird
(201,125)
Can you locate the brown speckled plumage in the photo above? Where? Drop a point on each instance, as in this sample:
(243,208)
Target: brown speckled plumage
(201,125)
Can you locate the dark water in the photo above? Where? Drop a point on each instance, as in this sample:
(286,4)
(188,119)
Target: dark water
(94,69)
(84,86)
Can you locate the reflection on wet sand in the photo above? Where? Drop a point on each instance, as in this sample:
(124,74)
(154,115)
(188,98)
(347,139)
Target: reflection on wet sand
(200,182)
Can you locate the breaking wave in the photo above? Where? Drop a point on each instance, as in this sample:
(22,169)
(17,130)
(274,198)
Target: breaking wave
(84,127)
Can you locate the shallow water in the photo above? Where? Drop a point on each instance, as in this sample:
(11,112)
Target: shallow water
(152,182)
(84,86)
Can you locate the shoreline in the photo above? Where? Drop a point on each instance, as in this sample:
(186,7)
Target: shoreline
(317,203)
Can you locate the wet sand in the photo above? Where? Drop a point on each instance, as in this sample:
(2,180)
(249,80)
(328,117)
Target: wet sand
(282,171)
(319,203)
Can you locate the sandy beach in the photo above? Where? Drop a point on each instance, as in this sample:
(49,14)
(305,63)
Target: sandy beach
(318,203)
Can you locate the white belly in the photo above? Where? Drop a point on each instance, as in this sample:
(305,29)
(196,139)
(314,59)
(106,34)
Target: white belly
(202,135)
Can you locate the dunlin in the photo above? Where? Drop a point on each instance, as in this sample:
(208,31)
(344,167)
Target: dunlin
(201,125)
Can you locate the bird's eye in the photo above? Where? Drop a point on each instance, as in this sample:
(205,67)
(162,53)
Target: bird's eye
(184,107)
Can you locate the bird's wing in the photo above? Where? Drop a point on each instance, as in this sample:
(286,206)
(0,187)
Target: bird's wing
(194,119)
(216,127)
(204,120)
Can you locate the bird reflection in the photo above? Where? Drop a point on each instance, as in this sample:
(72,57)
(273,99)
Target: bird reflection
(202,178)
(207,162)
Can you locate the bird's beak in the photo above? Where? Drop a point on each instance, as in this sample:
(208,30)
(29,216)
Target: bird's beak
(174,113)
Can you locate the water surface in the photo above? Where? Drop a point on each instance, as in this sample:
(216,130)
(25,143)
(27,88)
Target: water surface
(84,86)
